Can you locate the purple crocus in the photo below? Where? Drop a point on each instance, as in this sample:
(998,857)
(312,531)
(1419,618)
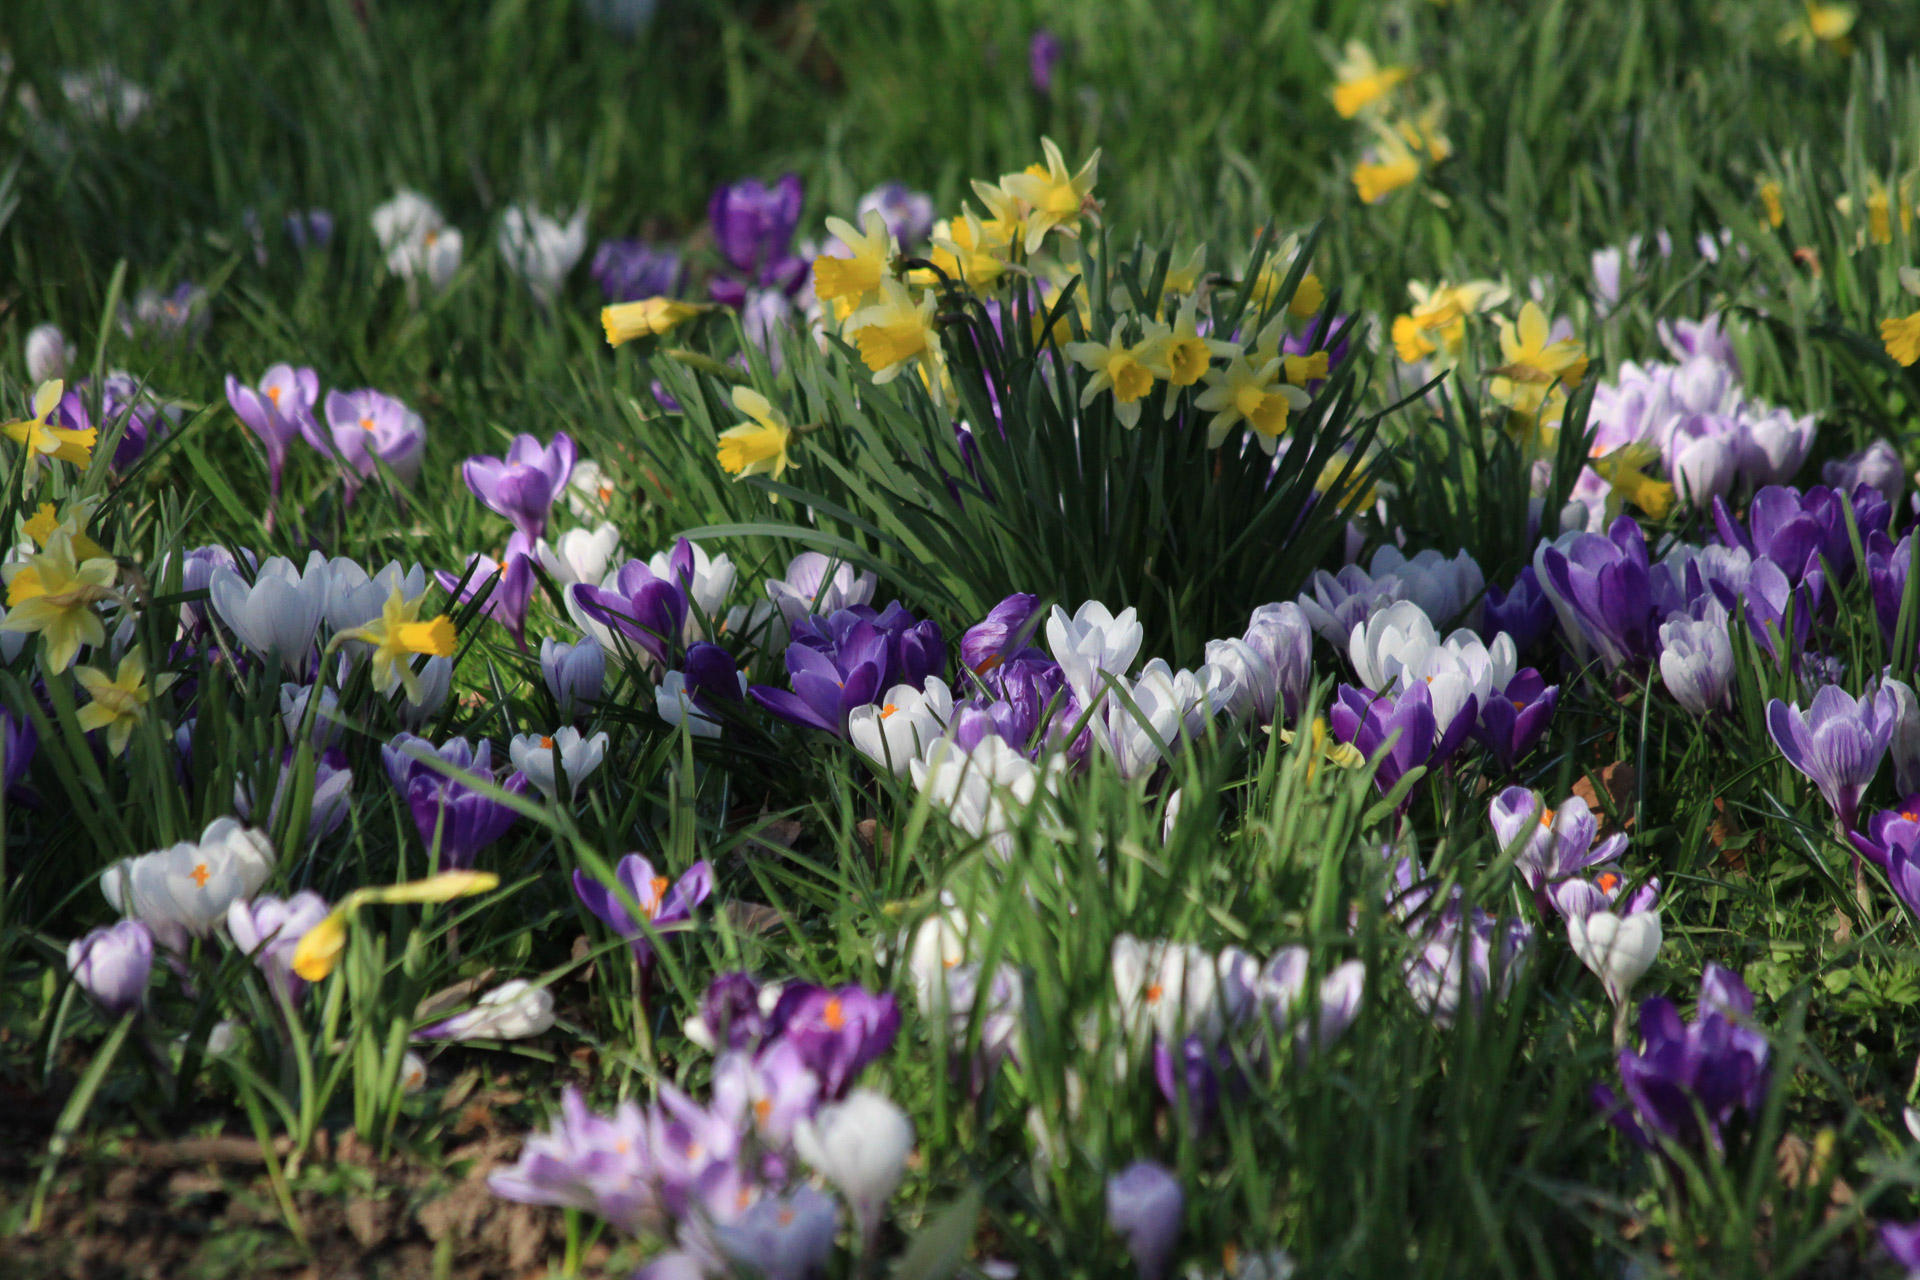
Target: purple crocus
(1887,565)
(1553,844)
(914,649)
(506,585)
(838,1031)
(1201,1072)
(1145,1208)
(1515,719)
(1603,584)
(600,1164)
(465,820)
(112,965)
(574,673)
(907,213)
(631,270)
(1837,743)
(1770,596)
(1043,54)
(731,1017)
(663,902)
(267,929)
(1797,530)
(1902,1243)
(1006,629)
(753,224)
(369,427)
(1281,636)
(1522,611)
(1712,1069)
(648,610)
(847,660)
(279,410)
(1404,725)
(310,228)
(18,741)
(522,485)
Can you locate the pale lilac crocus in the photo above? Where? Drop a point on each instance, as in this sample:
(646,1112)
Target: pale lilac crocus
(278,410)
(1553,844)
(1145,1208)
(112,965)
(267,929)
(523,485)
(506,585)
(368,429)
(1837,743)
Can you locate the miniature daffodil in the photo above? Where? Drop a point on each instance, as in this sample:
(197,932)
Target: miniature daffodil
(858,275)
(1623,470)
(759,447)
(896,333)
(397,635)
(318,950)
(119,702)
(1055,196)
(1531,363)
(40,436)
(1242,393)
(1361,82)
(647,318)
(1127,371)
(53,593)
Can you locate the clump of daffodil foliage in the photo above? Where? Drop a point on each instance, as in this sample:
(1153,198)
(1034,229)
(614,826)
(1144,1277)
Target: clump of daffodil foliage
(1290,651)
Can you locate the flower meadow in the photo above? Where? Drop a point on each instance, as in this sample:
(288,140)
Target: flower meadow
(1289,651)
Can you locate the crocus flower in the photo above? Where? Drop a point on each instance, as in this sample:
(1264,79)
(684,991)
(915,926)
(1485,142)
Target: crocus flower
(1193,1070)
(1905,743)
(1553,844)
(899,729)
(463,820)
(662,902)
(523,485)
(629,270)
(829,684)
(417,240)
(541,249)
(1145,1208)
(733,1013)
(1892,842)
(310,228)
(48,353)
(1696,663)
(1404,724)
(1091,642)
(1522,612)
(1902,1243)
(1602,584)
(331,797)
(279,611)
(574,673)
(861,1146)
(505,585)
(1837,743)
(1514,720)
(808,589)
(368,429)
(18,742)
(579,555)
(1282,990)
(639,607)
(1006,630)
(690,696)
(983,788)
(112,965)
(1337,603)
(1043,53)
(908,213)
(279,411)
(1798,530)
(753,225)
(542,758)
(1172,989)
(1617,947)
(838,1031)
(706,580)
(783,1237)
(184,891)
(356,597)
(1887,565)
(1714,1068)
(1878,465)
(599,1164)
(513,1010)
(1464,957)
(1281,635)
(1448,590)
(267,929)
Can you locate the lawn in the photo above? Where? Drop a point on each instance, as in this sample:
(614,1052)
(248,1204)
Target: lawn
(991,639)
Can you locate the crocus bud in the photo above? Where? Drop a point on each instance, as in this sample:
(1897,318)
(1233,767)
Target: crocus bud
(112,965)
(512,1011)
(1878,465)
(1617,949)
(1906,736)
(48,354)
(1144,1206)
(1696,662)
(575,673)
(786,1237)
(1282,635)
(860,1146)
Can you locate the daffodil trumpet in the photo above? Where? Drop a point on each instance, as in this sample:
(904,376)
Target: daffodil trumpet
(319,949)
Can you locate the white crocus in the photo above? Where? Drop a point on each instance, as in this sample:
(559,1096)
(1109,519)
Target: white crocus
(184,891)
(279,611)
(1398,637)
(675,705)
(1448,590)
(861,1146)
(533,755)
(511,1011)
(1173,989)
(1462,667)
(1240,664)
(355,597)
(417,240)
(579,555)
(907,722)
(1616,949)
(1139,736)
(540,249)
(1092,641)
(48,354)
(983,791)
(711,584)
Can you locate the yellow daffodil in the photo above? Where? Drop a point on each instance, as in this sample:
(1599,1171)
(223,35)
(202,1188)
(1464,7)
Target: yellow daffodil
(396,636)
(46,522)
(1531,363)
(54,594)
(1127,371)
(1308,296)
(120,700)
(1186,354)
(857,276)
(41,437)
(1437,324)
(1385,168)
(1823,24)
(1901,335)
(1356,495)
(1242,393)
(648,318)
(318,950)
(1623,471)
(759,447)
(1880,208)
(896,333)
(1422,131)
(968,251)
(1770,201)
(1054,196)
(1322,745)
(1184,277)
(1360,82)
(1300,370)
